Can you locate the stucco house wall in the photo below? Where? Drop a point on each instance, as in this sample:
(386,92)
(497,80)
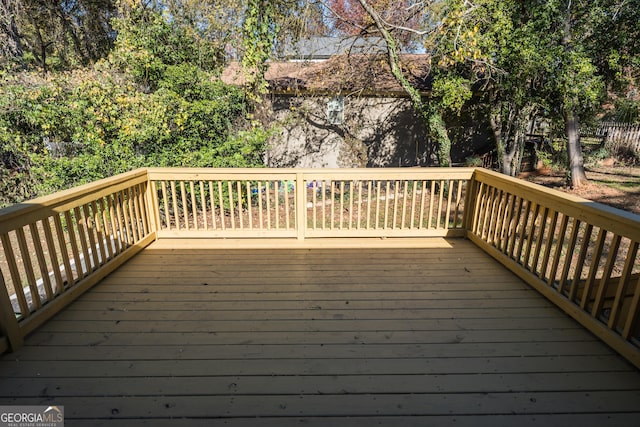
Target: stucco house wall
(377,124)
(373,132)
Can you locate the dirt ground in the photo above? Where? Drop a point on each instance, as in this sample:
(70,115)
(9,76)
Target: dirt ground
(617,186)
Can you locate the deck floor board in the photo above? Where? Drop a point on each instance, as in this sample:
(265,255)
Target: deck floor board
(198,335)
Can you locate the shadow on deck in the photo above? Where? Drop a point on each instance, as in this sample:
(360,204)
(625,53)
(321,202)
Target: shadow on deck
(435,332)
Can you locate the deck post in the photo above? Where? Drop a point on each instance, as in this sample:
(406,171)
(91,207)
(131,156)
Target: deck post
(469,204)
(153,208)
(301,207)
(9,326)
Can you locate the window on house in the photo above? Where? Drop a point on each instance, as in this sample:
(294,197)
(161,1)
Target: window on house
(335,110)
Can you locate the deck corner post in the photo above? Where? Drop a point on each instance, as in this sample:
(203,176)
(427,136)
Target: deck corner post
(151,199)
(9,326)
(301,207)
(470,204)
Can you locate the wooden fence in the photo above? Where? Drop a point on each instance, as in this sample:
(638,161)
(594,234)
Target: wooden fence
(581,255)
(620,137)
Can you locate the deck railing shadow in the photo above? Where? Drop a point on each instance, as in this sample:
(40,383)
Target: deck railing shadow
(581,255)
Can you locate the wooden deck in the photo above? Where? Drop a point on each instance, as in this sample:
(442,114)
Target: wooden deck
(419,332)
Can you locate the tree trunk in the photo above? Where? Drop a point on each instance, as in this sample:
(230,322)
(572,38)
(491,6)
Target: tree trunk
(439,131)
(503,133)
(574,150)
(9,27)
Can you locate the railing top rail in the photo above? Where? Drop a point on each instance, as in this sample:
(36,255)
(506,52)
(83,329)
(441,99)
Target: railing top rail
(623,222)
(277,173)
(29,211)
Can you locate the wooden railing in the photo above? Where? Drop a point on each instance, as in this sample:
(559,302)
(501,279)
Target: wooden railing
(309,203)
(56,247)
(579,254)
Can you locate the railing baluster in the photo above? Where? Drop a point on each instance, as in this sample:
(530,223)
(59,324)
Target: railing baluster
(276,208)
(494,215)
(623,283)
(185,207)
(593,268)
(89,230)
(133,217)
(533,229)
(212,204)
(396,201)
(42,264)
(412,213)
(377,214)
(523,233)
(143,220)
(333,205)
(558,249)
(486,206)
(540,239)
(203,203)
(81,267)
(103,231)
(579,264)
(174,201)
(222,216)
(351,205)
(260,207)
(287,211)
(634,312)
(360,204)
(27,266)
(66,259)
(423,198)
(240,210)
(249,203)
(387,195)
(53,252)
(447,214)
(15,275)
(194,205)
(601,292)
(268,203)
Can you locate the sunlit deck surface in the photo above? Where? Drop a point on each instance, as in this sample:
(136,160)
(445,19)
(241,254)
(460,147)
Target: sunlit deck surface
(401,332)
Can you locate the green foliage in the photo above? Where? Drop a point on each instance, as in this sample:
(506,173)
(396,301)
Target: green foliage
(148,43)
(156,101)
(87,125)
(626,111)
(260,30)
(453,91)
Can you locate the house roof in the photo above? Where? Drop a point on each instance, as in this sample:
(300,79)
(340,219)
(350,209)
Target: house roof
(361,74)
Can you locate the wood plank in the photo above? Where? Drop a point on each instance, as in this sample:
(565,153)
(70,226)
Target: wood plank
(307,366)
(523,420)
(128,306)
(350,405)
(45,339)
(323,295)
(313,351)
(320,384)
(288,325)
(314,312)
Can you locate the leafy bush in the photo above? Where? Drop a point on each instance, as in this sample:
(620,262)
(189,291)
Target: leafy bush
(155,101)
(82,126)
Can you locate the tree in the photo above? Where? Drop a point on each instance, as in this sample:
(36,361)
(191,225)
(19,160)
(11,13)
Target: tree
(351,17)
(58,35)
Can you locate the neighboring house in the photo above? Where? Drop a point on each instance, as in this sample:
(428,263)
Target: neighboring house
(345,111)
